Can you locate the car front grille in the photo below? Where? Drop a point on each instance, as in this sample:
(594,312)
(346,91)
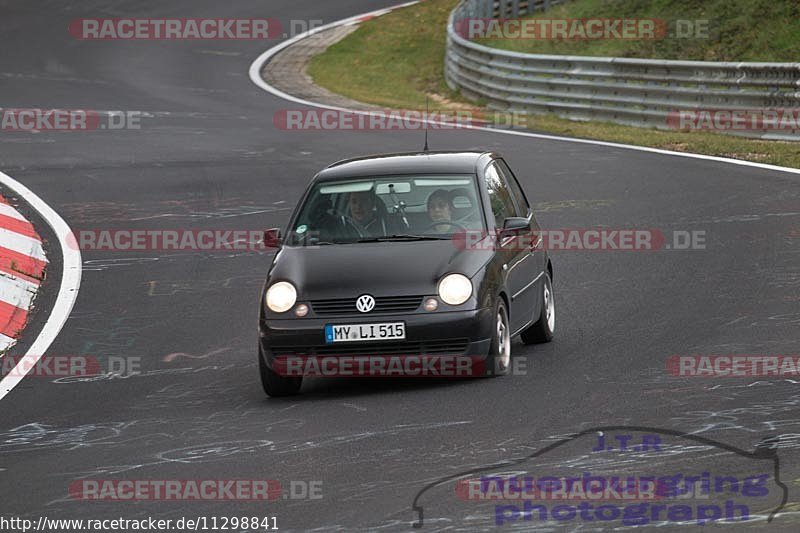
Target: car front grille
(444,347)
(383,304)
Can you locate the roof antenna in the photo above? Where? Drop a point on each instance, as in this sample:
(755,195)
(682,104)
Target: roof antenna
(427,124)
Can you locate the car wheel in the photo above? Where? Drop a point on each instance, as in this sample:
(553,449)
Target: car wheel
(542,330)
(274,384)
(499,360)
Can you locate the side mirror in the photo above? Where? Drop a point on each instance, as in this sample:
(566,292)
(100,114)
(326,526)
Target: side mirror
(515,224)
(272,238)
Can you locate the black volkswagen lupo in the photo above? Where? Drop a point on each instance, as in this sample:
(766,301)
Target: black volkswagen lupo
(433,254)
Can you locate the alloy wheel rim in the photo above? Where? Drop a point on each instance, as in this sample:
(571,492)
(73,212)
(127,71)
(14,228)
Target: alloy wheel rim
(503,340)
(550,308)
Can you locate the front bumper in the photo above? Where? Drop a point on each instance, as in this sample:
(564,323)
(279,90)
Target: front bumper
(427,334)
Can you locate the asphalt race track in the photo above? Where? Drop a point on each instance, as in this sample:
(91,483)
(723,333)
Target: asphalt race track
(208,156)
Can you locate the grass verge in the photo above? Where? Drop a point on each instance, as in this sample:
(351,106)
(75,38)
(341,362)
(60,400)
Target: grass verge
(711,30)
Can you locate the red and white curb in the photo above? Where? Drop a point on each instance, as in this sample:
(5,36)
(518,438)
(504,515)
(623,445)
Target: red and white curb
(22,266)
(22,259)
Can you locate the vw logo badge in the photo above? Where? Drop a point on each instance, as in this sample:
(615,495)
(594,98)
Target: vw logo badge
(365,303)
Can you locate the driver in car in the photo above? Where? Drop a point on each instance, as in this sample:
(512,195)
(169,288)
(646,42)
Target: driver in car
(440,209)
(364,215)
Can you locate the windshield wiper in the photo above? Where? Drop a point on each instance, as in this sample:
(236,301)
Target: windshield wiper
(405,237)
(324,243)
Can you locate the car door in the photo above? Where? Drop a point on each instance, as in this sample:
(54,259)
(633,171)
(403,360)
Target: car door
(536,262)
(515,255)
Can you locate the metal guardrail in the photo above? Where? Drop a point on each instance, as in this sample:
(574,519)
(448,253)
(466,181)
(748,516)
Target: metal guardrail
(638,92)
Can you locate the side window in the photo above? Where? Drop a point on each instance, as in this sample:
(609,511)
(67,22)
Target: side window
(499,195)
(516,190)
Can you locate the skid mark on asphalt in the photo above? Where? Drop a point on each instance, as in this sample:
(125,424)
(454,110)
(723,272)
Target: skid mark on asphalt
(745,217)
(592,462)
(196,208)
(771,404)
(208,453)
(229,422)
(354,406)
(760,321)
(26,140)
(219,214)
(560,205)
(35,435)
(202,453)
(157,288)
(338,440)
(101,265)
(50,77)
(177,355)
(149,432)
(189,395)
(110,376)
(741,418)
(745,347)
(115,337)
(219,53)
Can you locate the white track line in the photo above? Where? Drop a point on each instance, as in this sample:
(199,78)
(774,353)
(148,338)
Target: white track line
(67,293)
(255,77)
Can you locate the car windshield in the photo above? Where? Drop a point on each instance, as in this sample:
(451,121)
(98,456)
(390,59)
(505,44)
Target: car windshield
(387,208)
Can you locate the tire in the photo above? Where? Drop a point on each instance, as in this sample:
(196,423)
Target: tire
(542,330)
(275,385)
(498,362)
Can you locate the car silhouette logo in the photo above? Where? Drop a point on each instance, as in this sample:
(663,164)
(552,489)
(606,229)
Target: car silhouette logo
(365,303)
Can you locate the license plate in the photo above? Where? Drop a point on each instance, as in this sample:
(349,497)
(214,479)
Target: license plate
(364,332)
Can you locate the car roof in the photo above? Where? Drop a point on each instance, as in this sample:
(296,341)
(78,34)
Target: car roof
(403,163)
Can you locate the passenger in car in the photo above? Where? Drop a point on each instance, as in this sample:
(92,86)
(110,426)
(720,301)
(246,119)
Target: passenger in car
(440,209)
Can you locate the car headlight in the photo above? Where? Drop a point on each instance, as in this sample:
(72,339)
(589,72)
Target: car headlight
(281,297)
(455,289)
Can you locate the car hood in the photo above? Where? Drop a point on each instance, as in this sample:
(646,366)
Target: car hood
(381,269)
